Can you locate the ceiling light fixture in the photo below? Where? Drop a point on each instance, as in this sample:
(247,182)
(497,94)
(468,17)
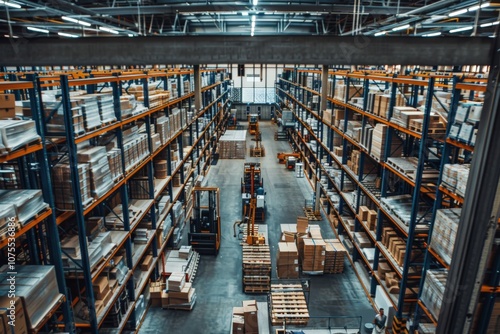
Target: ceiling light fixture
(13,36)
(244,13)
(67,35)
(130,35)
(255,2)
(484,5)
(489,24)
(45,31)
(458,12)
(473,8)
(406,26)
(109,30)
(10,4)
(380,33)
(461,29)
(70,19)
(432,34)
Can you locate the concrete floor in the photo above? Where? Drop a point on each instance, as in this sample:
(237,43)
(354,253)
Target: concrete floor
(218,280)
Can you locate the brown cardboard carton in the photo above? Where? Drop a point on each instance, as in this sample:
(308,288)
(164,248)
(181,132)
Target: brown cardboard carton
(101,285)
(302,224)
(239,311)
(6,113)
(251,302)
(238,324)
(7,101)
(251,322)
(164,299)
(148,259)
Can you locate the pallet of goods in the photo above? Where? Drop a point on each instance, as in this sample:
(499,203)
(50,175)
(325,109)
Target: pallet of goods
(334,256)
(232,145)
(245,318)
(287,261)
(288,305)
(256,268)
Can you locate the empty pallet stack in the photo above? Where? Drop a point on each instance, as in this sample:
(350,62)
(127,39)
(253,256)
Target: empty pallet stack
(335,254)
(232,145)
(288,305)
(256,268)
(287,260)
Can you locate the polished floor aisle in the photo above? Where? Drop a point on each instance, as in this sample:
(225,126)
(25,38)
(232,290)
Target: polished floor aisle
(218,280)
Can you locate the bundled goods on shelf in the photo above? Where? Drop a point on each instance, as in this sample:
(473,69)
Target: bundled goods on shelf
(335,254)
(402,115)
(433,290)
(135,147)
(139,187)
(445,232)
(408,167)
(256,268)
(181,294)
(288,305)
(37,288)
(287,260)
(7,224)
(115,163)
(105,107)
(362,239)
(378,104)
(366,134)
(369,217)
(399,207)
(379,142)
(10,176)
(173,89)
(161,169)
(15,134)
(96,158)
(141,236)
(54,113)
(327,116)
(232,144)
(90,110)
(177,213)
(440,100)
(353,129)
(103,289)
(185,260)
(395,245)
(357,102)
(354,162)
(352,91)
(27,204)
(466,122)
(63,188)
(426,328)
(117,269)
(163,129)
(245,318)
(117,311)
(455,177)
(127,105)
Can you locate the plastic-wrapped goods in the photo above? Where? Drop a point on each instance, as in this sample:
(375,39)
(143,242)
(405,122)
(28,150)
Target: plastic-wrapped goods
(28,203)
(90,110)
(37,287)
(16,133)
(8,218)
(63,187)
(445,232)
(101,180)
(433,291)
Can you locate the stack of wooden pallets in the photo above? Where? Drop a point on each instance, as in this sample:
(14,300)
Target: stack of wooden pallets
(288,305)
(256,268)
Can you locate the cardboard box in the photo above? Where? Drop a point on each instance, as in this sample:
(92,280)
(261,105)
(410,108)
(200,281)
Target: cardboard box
(7,101)
(363,213)
(302,224)
(6,113)
(239,311)
(21,325)
(251,322)
(238,324)
(100,285)
(165,301)
(148,260)
(251,302)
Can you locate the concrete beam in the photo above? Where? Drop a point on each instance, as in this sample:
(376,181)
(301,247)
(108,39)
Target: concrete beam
(332,50)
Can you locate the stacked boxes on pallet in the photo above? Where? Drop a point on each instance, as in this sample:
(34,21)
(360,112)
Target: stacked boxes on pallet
(101,180)
(15,134)
(232,145)
(62,185)
(379,141)
(455,177)
(445,232)
(433,290)
(335,254)
(245,319)
(181,294)
(287,261)
(466,122)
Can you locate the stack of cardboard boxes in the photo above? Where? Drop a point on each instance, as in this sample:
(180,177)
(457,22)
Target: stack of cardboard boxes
(245,319)
(178,294)
(335,254)
(7,106)
(368,217)
(287,260)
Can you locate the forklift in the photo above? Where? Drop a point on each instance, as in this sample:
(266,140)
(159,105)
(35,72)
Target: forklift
(253,124)
(252,187)
(204,232)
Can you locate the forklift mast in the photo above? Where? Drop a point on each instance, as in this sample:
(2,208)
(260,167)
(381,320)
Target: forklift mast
(205,230)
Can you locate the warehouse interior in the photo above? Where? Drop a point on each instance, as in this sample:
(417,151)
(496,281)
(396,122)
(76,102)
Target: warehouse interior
(249,166)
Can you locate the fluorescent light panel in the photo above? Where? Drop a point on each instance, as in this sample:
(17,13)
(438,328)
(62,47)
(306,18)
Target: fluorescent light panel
(109,30)
(489,24)
(432,34)
(380,33)
(255,2)
(461,29)
(70,19)
(458,12)
(10,4)
(67,35)
(45,31)
(406,26)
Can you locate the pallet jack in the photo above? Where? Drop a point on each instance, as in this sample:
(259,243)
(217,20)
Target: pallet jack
(204,230)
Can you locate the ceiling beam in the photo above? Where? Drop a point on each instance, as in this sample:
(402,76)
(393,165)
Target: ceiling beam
(166,9)
(331,50)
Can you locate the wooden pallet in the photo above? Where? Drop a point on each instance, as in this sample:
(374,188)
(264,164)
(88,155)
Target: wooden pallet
(288,305)
(311,215)
(256,289)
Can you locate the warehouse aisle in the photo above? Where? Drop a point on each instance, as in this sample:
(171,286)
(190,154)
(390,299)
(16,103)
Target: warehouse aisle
(218,280)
